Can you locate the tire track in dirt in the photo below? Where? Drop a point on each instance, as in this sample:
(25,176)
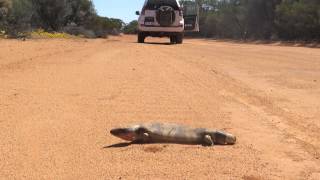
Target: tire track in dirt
(259,102)
(54,117)
(258,99)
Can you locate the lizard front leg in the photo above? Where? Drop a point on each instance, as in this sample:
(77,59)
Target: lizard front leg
(207,140)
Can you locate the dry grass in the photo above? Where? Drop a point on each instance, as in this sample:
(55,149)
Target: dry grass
(3,34)
(40,34)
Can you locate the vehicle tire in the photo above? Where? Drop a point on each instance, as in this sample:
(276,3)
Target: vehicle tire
(141,38)
(173,39)
(179,38)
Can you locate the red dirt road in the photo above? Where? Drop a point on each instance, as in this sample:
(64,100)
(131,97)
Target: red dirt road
(59,99)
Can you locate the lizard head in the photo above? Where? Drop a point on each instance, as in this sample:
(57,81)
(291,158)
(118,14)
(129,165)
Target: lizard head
(224,138)
(128,134)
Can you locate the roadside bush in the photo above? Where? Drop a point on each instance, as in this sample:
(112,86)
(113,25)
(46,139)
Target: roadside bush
(131,28)
(49,14)
(102,26)
(20,17)
(4,10)
(3,34)
(260,19)
(298,20)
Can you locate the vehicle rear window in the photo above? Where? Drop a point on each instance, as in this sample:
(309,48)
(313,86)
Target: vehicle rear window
(156,4)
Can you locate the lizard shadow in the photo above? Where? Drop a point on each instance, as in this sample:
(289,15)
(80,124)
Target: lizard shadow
(122,145)
(118,145)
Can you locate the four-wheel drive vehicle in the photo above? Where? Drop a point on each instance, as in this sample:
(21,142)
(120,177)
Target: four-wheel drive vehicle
(162,18)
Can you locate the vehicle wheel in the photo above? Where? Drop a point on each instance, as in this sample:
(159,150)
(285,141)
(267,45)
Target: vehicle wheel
(141,38)
(179,38)
(173,39)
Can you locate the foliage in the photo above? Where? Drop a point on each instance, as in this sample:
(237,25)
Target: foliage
(238,19)
(4,10)
(131,28)
(298,19)
(22,16)
(103,25)
(19,16)
(260,19)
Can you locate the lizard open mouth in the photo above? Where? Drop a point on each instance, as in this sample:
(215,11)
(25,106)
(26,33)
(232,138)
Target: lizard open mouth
(127,137)
(123,133)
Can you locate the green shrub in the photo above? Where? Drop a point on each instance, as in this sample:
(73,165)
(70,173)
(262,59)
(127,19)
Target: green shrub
(261,19)
(23,16)
(298,20)
(131,28)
